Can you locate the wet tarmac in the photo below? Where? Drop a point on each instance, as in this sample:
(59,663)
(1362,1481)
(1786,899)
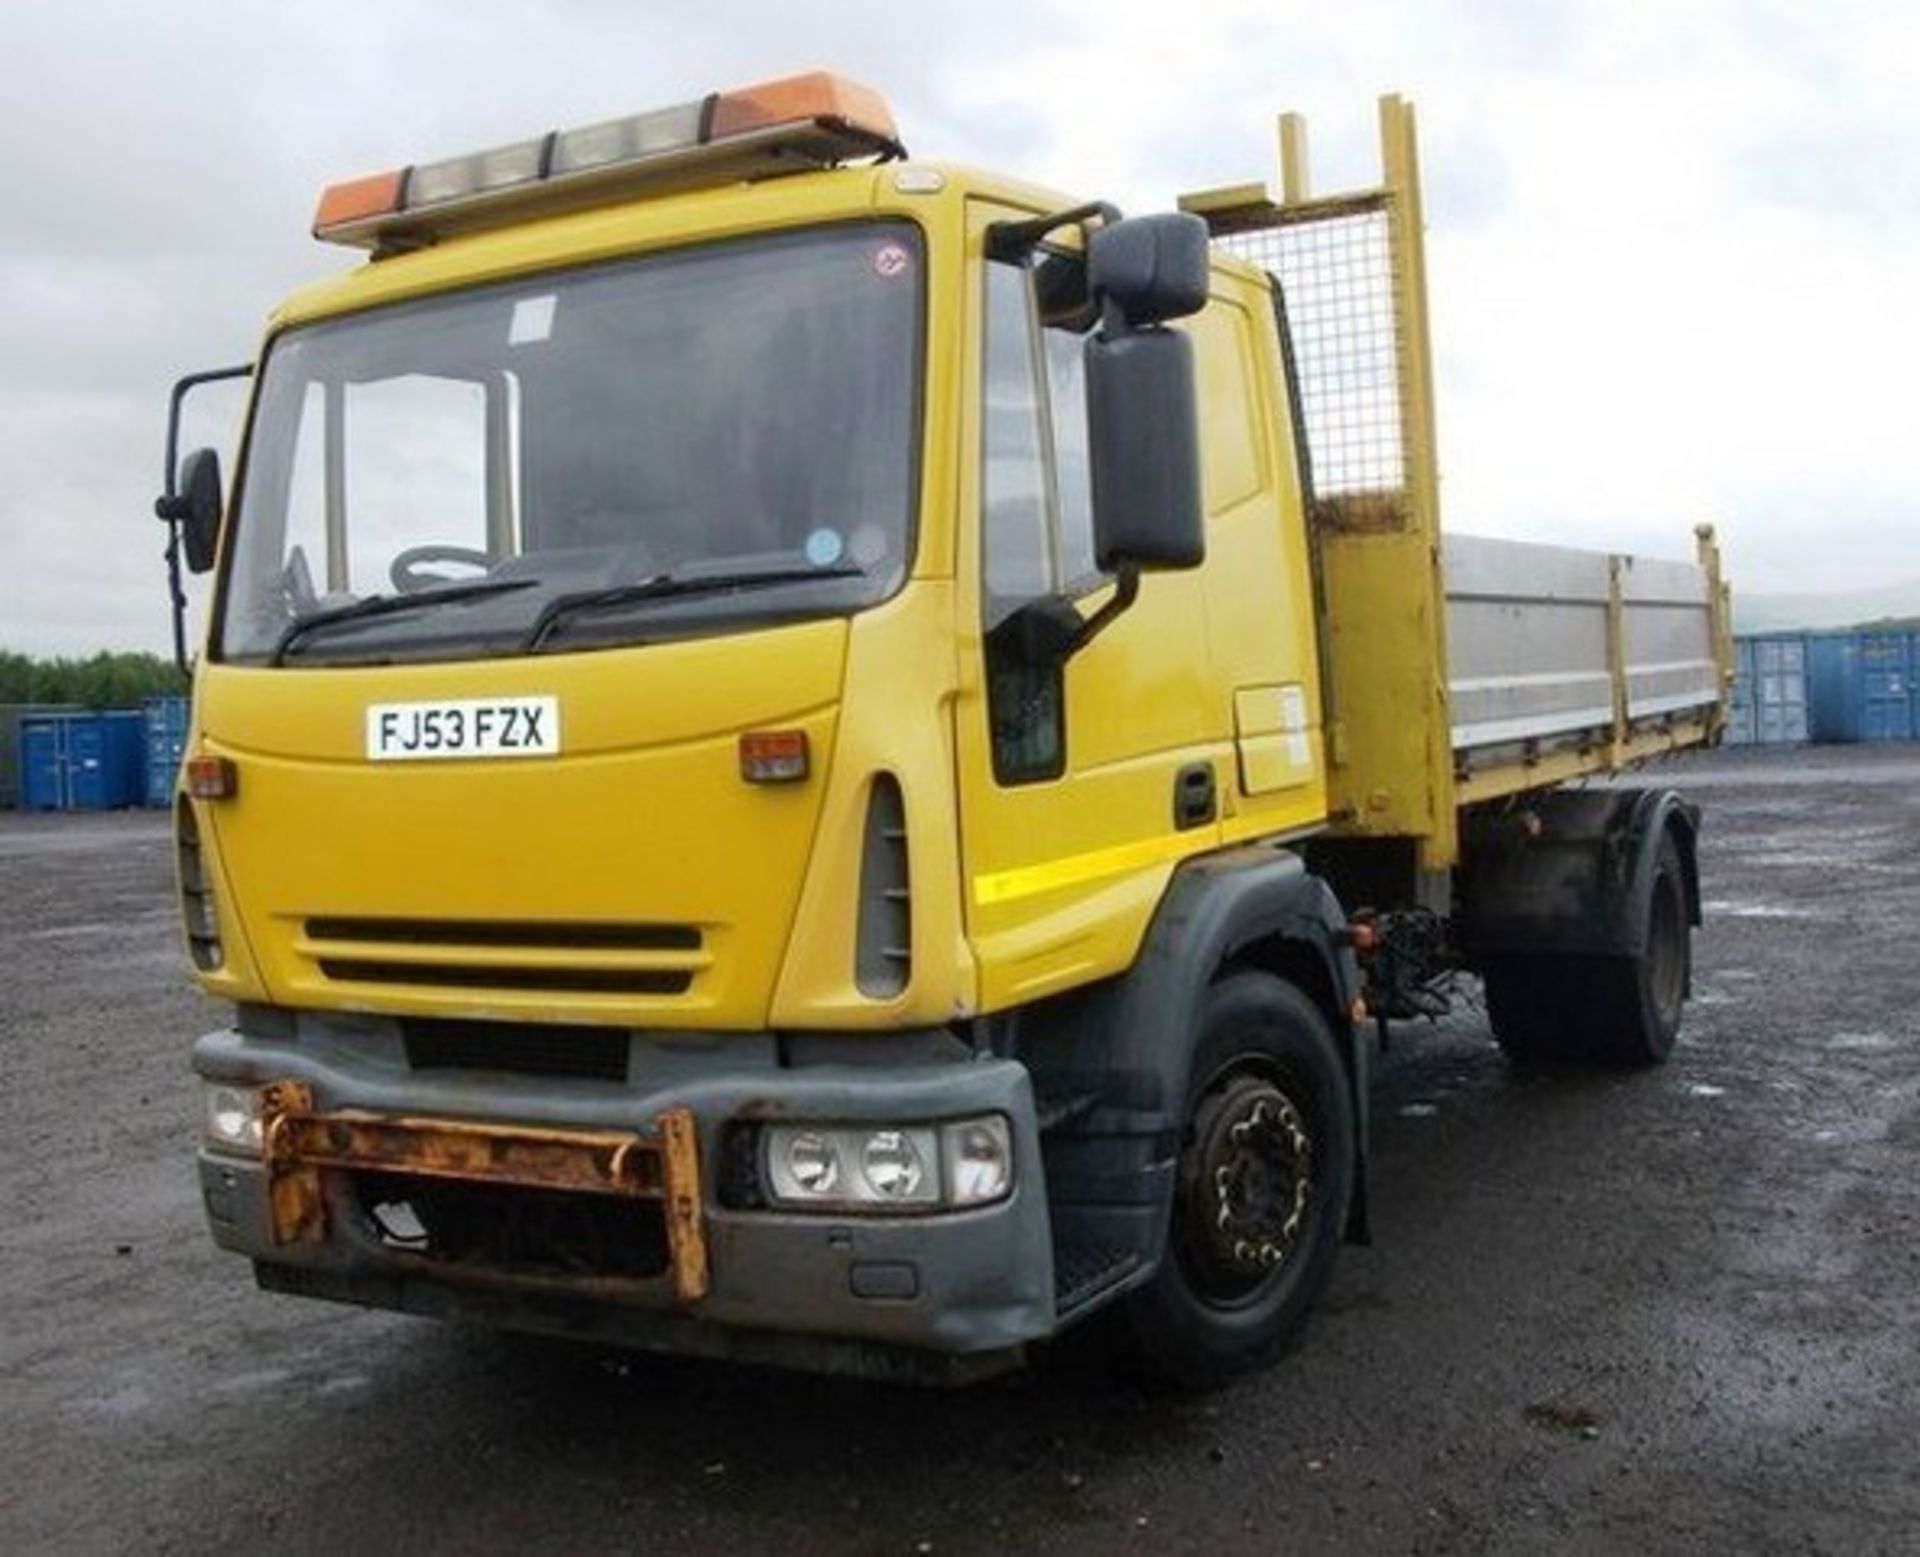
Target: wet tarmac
(1671,1311)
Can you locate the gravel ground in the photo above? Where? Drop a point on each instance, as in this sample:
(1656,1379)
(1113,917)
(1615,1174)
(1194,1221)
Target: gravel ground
(1673,1311)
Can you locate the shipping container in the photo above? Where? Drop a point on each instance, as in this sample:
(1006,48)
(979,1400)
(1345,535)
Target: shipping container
(82,762)
(166,724)
(1769,703)
(12,715)
(1865,684)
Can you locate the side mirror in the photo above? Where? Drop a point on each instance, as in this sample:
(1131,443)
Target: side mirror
(1149,269)
(196,509)
(1143,419)
(1143,437)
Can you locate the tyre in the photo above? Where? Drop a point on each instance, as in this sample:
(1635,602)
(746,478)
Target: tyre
(1540,1006)
(1610,1010)
(1640,999)
(1264,1181)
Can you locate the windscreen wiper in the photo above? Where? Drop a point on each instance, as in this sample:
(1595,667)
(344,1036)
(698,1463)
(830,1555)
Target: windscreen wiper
(666,586)
(387,605)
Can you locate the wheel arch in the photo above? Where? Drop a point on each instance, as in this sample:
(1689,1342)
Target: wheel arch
(1571,871)
(1127,1046)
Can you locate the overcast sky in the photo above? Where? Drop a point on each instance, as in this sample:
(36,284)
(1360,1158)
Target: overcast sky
(1674,248)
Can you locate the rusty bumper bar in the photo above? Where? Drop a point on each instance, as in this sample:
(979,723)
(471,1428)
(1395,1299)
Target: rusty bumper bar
(300,1144)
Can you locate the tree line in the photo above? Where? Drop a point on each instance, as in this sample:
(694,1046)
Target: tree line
(103,680)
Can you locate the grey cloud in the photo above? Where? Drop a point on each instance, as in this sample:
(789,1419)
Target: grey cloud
(164,162)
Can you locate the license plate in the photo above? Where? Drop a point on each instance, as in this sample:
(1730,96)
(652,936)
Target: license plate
(466,727)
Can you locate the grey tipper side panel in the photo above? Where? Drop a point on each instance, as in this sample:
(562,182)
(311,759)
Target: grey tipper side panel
(1527,646)
(985,1276)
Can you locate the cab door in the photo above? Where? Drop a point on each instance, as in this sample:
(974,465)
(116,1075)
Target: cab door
(1083,783)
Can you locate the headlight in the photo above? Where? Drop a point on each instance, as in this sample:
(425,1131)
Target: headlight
(813,1160)
(879,1168)
(233,1119)
(894,1164)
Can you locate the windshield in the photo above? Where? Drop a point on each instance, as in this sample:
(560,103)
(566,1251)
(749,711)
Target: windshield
(673,445)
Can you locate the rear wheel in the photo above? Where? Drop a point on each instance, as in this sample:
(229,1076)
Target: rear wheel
(1261,1193)
(1614,1010)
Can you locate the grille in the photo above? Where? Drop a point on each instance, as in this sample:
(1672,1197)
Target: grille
(588,1053)
(603,959)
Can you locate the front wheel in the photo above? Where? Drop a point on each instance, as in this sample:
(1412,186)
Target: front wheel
(1261,1193)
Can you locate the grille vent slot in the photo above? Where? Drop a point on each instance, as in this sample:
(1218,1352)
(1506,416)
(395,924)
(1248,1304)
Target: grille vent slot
(505,933)
(589,1053)
(883,953)
(586,981)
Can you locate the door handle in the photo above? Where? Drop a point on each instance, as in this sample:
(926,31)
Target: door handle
(1195,802)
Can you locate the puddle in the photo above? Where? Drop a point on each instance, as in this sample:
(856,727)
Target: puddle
(1863,1043)
(1862,1133)
(1738,910)
(251,1382)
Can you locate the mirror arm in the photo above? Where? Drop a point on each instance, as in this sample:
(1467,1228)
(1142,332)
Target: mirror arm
(1049,630)
(171,508)
(1014,241)
(177,591)
(174,402)
(1126,591)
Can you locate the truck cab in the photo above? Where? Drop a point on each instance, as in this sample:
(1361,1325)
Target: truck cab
(754,761)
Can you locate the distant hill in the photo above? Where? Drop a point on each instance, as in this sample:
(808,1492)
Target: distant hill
(1760,613)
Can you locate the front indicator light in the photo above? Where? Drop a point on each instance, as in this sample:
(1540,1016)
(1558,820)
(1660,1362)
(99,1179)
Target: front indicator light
(774,756)
(210,778)
(233,1119)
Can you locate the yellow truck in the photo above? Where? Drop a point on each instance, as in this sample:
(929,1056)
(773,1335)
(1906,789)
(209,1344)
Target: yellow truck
(826,759)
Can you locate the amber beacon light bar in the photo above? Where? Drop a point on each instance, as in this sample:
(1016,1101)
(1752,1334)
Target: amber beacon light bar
(787,126)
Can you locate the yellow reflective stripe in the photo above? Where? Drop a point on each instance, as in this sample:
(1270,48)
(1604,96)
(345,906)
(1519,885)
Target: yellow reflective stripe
(1003,886)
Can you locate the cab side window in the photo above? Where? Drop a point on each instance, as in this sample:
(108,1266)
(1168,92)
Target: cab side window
(1037,512)
(1037,482)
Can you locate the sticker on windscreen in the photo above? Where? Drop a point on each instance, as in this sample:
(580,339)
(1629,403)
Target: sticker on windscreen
(532,320)
(824,547)
(891,260)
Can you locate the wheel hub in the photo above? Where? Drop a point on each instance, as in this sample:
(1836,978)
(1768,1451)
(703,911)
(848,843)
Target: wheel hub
(1252,1179)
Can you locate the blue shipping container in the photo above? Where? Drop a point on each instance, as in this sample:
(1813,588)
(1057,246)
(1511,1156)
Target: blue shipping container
(166,719)
(11,717)
(82,762)
(1866,684)
(1768,706)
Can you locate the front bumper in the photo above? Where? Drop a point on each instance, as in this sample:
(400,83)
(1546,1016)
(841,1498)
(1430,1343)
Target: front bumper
(848,1292)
